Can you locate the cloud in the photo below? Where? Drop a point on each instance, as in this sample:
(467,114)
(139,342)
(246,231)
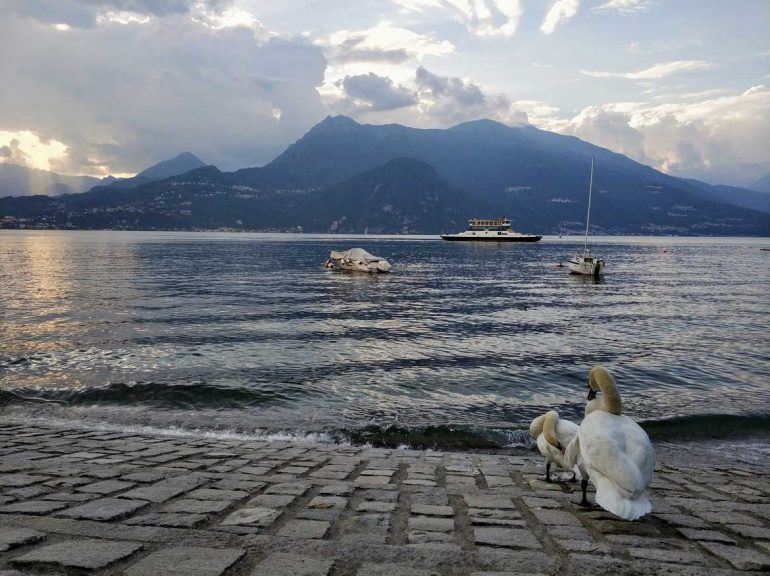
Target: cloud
(722,139)
(127,96)
(384,50)
(376,93)
(87,13)
(480,17)
(558,14)
(626,6)
(26,148)
(657,71)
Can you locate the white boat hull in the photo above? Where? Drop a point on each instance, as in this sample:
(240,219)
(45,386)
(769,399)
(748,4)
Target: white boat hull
(586,266)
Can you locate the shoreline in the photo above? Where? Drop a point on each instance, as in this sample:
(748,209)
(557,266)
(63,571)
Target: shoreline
(109,502)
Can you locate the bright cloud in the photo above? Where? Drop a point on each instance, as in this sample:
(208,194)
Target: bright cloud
(710,137)
(558,14)
(626,6)
(480,17)
(27,148)
(657,71)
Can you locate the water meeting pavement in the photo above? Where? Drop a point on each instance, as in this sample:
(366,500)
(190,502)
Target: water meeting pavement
(106,502)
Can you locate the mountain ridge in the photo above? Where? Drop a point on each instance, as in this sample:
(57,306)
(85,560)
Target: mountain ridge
(537,178)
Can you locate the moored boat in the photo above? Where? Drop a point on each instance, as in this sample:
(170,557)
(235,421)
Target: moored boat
(357,260)
(585,264)
(491,230)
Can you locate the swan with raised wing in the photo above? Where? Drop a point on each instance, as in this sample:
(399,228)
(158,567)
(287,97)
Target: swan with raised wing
(614,450)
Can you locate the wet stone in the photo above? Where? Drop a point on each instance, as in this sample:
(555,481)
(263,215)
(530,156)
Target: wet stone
(189,506)
(705,535)
(673,556)
(498,502)
(105,487)
(506,537)
(186,561)
(381,495)
(103,509)
(209,494)
(37,507)
(375,506)
(305,529)
(69,497)
(683,520)
(428,510)
(271,501)
(753,532)
(740,558)
(556,517)
(12,537)
(18,480)
(336,490)
(282,564)
(167,520)
(259,517)
(394,570)
(289,488)
(87,554)
(323,502)
(430,524)
(165,489)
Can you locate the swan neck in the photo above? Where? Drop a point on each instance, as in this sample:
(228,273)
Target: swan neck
(611,398)
(549,428)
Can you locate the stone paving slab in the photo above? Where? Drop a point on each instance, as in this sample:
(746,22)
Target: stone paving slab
(74,500)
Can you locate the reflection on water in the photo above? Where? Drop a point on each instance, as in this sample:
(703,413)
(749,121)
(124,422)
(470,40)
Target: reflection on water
(249,331)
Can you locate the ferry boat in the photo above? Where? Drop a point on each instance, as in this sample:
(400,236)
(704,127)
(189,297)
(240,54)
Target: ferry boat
(491,230)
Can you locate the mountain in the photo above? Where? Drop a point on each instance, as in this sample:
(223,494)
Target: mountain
(347,177)
(753,198)
(761,185)
(180,164)
(18,180)
(406,196)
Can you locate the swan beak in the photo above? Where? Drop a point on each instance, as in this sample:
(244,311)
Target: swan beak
(591,394)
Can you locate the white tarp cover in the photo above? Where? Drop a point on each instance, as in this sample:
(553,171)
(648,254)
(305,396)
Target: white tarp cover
(359,259)
(355,254)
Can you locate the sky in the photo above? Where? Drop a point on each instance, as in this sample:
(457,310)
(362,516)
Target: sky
(112,86)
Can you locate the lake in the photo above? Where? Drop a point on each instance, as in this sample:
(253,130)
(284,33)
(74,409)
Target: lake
(249,334)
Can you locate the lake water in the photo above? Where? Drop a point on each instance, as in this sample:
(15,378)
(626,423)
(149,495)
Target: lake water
(248,333)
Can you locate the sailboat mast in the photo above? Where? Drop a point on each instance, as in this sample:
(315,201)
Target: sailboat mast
(588,216)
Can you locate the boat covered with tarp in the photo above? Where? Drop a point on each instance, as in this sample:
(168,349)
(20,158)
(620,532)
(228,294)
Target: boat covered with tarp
(357,260)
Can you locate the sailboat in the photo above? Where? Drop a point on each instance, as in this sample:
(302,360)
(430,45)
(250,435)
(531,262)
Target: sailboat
(585,264)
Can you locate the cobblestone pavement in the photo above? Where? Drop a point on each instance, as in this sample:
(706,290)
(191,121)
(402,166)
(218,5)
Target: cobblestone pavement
(76,501)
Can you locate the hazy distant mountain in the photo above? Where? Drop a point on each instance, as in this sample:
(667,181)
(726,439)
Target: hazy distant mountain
(18,180)
(344,176)
(180,164)
(761,185)
(747,198)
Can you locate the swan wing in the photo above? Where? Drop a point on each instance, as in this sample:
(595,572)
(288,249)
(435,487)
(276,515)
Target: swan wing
(552,453)
(639,449)
(603,448)
(566,431)
(572,455)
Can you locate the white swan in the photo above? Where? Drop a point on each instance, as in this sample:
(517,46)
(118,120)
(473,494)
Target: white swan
(553,435)
(614,450)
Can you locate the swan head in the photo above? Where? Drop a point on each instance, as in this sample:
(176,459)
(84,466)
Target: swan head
(600,379)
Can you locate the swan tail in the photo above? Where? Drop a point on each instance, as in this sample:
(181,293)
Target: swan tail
(612,499)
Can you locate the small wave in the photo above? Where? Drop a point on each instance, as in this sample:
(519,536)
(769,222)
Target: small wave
(708,426)
(158,394)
